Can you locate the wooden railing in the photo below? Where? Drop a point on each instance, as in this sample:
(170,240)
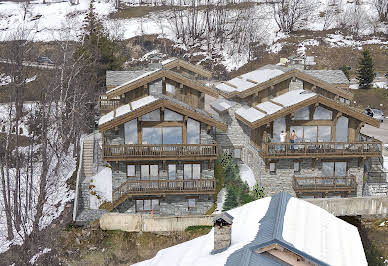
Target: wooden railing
(138,151)
(178,186)
(106,105)
(306,149)
(324,184)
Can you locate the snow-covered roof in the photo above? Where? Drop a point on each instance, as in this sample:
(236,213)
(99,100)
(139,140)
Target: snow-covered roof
(125,109)
(301,227)
(221,105)
(250,79)
(116,78)
(285,100)
(172,59)
(329,76)
(132,106)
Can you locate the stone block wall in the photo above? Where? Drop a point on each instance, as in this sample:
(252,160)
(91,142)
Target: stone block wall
(222,237)
(119,176)
(172,204)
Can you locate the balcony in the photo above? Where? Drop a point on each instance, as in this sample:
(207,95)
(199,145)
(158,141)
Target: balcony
(155,187)
(143,152)
(342,184)
(105,105)
(367,148)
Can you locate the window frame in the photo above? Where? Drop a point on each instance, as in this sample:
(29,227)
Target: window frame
(151,204)
(149,171)
(195,203)
(296,162)
(192,170)
(275,168)
(134,168)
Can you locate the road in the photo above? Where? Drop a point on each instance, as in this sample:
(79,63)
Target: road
(31,64)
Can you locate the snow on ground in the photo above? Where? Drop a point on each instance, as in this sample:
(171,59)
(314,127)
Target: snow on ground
(247,175)
(220,200)
(381,84)
(102,183)
(197,251)
(36,256)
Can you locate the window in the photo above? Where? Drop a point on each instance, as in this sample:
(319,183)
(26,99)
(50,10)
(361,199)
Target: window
(170,88)
(334,169)
(321,113)
(152,116)
(192,203)
(324,133)
(172,116)
(155,87)
(191,171)
(130,132)
(149,171)
(302,114)
(341,131)
(272,168)
(152,135)
(131,171)
(172,171)
(147,205)
(237,153)
(193,131)
(172,135)
(296,167)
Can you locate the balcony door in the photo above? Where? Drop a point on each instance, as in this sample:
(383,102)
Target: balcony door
(190,173)
(162,135)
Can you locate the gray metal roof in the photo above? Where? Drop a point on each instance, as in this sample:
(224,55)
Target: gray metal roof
(221,105)
(329,76)
(270,232)
(116,78)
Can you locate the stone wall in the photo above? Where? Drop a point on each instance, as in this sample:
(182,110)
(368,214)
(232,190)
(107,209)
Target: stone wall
(149,223)
(222,237)
(173,204)
(119,174)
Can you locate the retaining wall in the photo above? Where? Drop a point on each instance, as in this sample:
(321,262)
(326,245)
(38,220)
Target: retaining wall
(149,223)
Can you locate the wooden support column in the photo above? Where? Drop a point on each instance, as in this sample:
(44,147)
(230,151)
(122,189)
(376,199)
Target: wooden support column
(352,129)
(336,115)
(139,133)
(164,85)
(288,122)
(184,133)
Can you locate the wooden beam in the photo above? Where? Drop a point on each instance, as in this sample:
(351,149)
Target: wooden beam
(258,109)
(279,104)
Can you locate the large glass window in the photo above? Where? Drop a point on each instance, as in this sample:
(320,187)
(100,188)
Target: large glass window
(172,171)
(130,132)
(172,116)
(170,88)
(191,171)
(148,171)
(334,169)
(172,135)
(152,135)
(321,113)
(131,170)
(302,114)
(193,131)
(324,133)
(341,131)
(278,126)
(310,133)
(152,116)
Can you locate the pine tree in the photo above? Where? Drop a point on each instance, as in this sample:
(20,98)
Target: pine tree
(97,50)
(365,72)
(346,71)
(231,200)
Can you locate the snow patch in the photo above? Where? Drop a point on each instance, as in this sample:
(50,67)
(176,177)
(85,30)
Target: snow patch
(246,174)
(36,256)
(102,183)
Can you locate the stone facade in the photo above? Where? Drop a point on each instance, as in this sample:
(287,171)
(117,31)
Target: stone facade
(222,237)
(172,204)
(119,172)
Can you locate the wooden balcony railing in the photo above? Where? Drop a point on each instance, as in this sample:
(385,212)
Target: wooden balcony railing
(152,187)
(161,151)
(322,149)
(324,184)
(105,105)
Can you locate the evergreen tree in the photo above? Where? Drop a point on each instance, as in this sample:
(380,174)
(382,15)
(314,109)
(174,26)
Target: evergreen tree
(365,72)
(346,71)
(97,50)
(231,200)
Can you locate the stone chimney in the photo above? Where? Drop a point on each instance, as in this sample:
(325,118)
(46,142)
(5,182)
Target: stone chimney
(222,232)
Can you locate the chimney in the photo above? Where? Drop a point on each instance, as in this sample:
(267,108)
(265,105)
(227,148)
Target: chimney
(222,232)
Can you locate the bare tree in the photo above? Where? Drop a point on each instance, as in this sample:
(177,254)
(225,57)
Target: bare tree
(291,14)
(381,7)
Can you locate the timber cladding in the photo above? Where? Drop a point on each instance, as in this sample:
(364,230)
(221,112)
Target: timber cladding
(335,89)
(162,103)
(162,74)
(316,99)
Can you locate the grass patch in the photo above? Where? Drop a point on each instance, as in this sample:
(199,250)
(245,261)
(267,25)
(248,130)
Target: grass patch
(219,176)
(194,228)
(137,12)
(373,97)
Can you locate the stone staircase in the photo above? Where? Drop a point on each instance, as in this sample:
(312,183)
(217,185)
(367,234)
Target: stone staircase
(88,157)
(376,172)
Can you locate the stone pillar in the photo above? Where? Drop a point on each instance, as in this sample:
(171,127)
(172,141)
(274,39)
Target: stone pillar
(222,237)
